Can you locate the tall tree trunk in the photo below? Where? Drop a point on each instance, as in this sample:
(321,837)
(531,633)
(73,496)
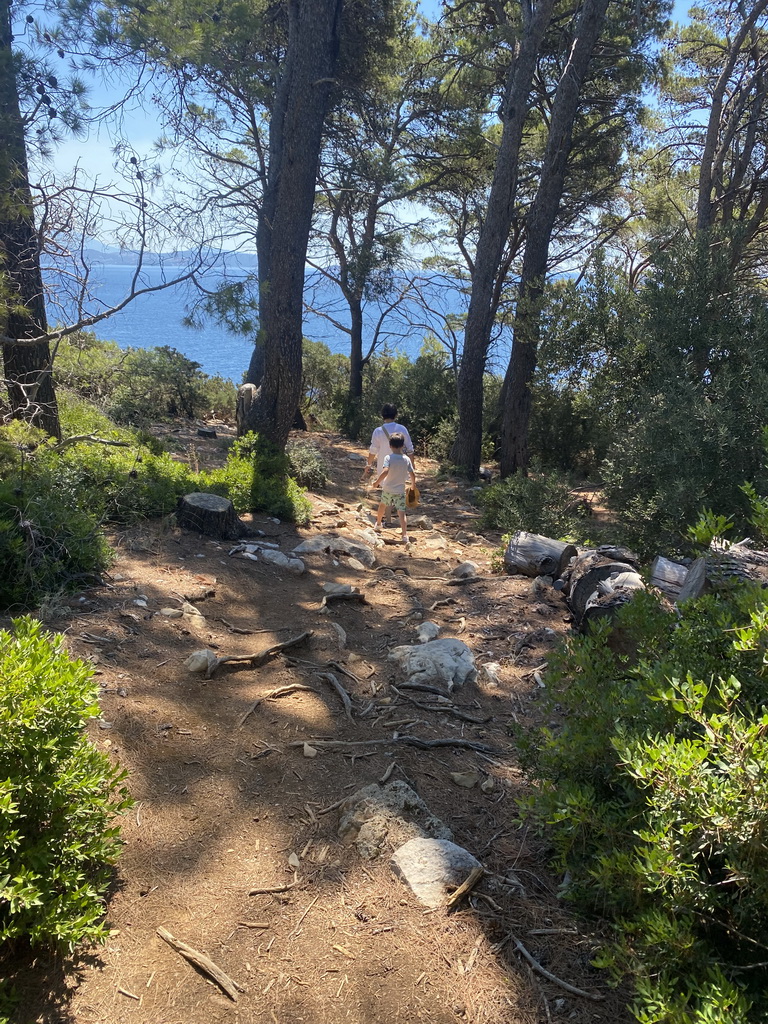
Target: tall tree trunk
(356,366)
(706,202)
(493,237)
(27,366)
(295,132)
(516,393)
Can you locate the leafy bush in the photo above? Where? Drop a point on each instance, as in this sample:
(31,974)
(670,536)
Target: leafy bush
(692,396)
(654,793)
(54,503)
(307,466)
(255,478)
(49,539)
(137,385)
(541,503)
(58,795)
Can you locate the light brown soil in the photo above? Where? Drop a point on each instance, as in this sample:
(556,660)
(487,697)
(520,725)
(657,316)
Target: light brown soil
(223,801)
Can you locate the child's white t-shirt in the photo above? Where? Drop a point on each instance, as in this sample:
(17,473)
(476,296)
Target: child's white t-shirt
(399,468)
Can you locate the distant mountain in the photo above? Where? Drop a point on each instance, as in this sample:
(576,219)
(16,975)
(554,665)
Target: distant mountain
(99,254)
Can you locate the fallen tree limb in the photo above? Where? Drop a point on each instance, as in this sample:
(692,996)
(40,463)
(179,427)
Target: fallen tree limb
(330,678)
(260,657)
(203,963)
(594,996)
(444,709)
(410,741)
(272,889)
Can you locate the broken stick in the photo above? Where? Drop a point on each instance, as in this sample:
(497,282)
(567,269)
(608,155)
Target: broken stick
(329,677)
(203,963)
(466,886)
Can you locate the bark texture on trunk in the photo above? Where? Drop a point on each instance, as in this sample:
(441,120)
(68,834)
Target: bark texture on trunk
(283,232)
(493,237)
(27,366)
(516,394)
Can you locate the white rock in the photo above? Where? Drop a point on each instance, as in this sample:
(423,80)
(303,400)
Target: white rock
(447,662)
(338,588)
(463,571)
(427,631)
(171,613)
(200,661)
(337,546)
(432,867)
(355,563)
(294,565)
(491,671)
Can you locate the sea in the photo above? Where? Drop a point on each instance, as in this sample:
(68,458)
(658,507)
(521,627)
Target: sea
(157,318)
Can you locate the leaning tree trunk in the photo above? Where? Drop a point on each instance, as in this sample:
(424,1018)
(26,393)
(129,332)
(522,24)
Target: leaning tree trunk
(466,450)
(295,133)
(27,364)
(516,394)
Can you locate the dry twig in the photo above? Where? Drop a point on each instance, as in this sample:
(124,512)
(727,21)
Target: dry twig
(466,886)
(203,963)
(329,677)
(283,691)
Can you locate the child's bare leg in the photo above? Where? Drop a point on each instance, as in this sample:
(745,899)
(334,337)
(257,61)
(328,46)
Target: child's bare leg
(403,523)
(380,514)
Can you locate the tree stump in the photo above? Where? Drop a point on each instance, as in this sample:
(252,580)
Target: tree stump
(667,575)
(533,555)
(211,515)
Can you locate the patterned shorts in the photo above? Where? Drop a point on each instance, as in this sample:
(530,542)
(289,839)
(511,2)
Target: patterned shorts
(389,498)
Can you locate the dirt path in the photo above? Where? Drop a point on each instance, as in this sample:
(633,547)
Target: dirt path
(225,805)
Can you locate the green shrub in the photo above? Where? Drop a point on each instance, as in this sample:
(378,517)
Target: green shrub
(541,503)
(307,466)
(58,795)
(138,385)
(48,540)
(654,793)
(255,478)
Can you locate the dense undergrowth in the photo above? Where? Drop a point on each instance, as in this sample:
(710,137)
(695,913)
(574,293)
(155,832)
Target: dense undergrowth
(56,499)
(653,790)
(60,799)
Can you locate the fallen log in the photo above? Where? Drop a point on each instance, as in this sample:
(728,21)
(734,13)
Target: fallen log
(534,555)
(667,576)
(587,572)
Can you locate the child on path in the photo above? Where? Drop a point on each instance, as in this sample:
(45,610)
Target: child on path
(379,449)
(397,469)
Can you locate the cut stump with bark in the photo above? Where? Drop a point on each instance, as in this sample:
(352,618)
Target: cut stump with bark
(210,515)
(534,555)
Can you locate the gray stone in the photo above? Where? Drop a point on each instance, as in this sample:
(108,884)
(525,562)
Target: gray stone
(464,571)
(420,523)
(294,565)
(427,631)
(446,662)
(376,815)
(337,546)
(433,866)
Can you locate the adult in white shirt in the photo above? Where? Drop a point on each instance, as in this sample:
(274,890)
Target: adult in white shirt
(380,449)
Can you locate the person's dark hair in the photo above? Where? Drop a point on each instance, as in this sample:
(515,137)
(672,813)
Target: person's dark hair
(389,412)
(396,441)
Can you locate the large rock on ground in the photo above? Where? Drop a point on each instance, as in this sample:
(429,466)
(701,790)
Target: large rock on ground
(447,662)
(377,815)
(433,868)
(337,546)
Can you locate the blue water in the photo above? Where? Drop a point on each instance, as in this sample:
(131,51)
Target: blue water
(157,319)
